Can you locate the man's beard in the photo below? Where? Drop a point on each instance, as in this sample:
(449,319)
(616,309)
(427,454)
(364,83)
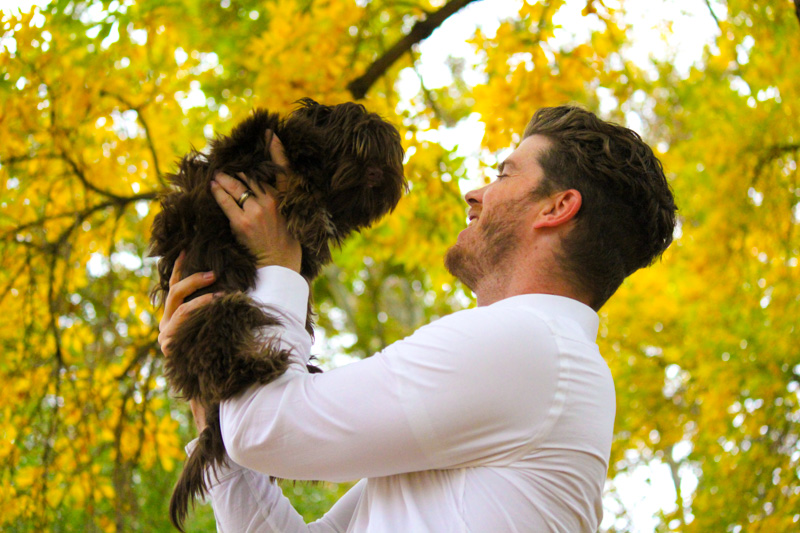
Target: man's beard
(496,239)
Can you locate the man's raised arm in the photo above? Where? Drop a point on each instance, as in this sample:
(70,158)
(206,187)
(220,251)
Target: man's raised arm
(421,404)
(245,500)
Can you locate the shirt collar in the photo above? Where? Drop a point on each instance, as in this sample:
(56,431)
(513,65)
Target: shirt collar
(553,305)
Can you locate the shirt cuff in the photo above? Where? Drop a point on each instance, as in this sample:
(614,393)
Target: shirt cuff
(282,288)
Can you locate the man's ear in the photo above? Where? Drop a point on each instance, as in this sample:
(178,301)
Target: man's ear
(559,209)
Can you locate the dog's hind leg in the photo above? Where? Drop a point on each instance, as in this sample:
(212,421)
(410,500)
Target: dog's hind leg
(222,348)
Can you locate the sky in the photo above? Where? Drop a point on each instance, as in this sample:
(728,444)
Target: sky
(647,489)
(690,19)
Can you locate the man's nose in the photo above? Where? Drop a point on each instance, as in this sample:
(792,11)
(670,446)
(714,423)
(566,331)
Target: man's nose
(475,197)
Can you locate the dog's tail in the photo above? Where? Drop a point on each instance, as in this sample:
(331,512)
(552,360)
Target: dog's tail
(205,460)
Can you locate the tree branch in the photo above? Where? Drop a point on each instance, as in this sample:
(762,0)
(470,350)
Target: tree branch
(429,99)
(421,30)
(86,183)
(141,353)
(711,10)
(119,473)
(147,134)
(676,481)
(770,154)
(80,216)
(797,9)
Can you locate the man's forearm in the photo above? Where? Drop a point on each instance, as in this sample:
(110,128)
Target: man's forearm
(285,294)
(244,500)
(247,501)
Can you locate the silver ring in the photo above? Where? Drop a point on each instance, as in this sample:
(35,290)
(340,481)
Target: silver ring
(243,198)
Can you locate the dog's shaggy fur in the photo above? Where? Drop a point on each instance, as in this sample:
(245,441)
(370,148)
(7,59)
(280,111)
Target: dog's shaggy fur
(345,173)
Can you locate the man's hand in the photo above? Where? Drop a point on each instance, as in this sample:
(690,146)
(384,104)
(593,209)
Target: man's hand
(257,223)
(175,311)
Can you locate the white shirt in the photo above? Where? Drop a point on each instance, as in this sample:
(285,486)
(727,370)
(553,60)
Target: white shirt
(493,419)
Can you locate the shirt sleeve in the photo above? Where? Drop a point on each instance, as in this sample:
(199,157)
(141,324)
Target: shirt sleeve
(247,501)
(285,293)
(469,389)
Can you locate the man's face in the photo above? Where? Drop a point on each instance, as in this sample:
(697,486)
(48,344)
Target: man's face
(499,216)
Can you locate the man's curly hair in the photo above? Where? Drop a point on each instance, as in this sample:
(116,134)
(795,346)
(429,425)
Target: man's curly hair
(627,215)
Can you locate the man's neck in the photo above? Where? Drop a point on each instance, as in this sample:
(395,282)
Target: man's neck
(532,279)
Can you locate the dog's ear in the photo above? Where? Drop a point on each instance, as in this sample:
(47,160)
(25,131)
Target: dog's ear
(311,224)
(245,148)
(305,140)
(304,200)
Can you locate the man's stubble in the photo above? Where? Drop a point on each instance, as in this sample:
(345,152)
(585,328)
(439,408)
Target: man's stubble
(497,237)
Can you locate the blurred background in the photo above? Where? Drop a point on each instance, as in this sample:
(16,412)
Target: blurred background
(100,98)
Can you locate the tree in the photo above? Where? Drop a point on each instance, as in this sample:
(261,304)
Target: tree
(719,345)
(100,98)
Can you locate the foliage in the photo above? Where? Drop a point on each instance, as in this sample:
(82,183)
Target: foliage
(99,98)
(714,362)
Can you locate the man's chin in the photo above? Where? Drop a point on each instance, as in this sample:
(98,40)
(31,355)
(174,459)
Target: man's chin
(461,265)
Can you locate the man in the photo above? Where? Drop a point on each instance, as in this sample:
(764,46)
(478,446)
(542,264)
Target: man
(497,418)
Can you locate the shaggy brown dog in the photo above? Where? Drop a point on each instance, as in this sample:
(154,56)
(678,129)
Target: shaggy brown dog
(346,173)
